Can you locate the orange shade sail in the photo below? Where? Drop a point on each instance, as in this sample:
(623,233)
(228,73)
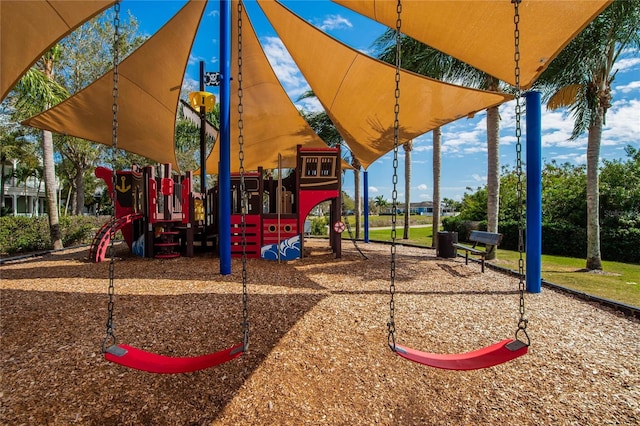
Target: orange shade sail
(358,92)
(29,28)
(481,33)
(272,124)
(148,93)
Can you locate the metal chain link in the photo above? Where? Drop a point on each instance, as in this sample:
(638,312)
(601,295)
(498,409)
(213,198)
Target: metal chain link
(110,338)
(522,322)
(391,325)
(243,195)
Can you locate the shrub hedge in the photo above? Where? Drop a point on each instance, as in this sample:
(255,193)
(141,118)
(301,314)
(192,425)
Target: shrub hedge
(19,234)
(620,244)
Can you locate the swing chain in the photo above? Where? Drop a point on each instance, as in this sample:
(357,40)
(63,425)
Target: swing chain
(110,338)
(391,325)
(243,212)
(522,322)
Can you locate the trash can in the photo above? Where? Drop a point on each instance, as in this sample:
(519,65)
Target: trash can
(445,244)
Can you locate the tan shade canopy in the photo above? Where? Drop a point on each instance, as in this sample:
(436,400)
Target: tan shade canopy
(272,124)
(358,91)
(30,28)
(481,33)
(148,91)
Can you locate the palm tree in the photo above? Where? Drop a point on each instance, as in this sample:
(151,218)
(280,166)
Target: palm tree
(580,78)
(35,92)
(407,187)
(425,60)
(437,138)
(380,202)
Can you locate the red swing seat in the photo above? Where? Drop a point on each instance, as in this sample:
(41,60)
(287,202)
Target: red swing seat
(495,354)
(139,359)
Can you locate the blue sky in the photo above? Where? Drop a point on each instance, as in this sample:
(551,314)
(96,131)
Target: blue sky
(463,141)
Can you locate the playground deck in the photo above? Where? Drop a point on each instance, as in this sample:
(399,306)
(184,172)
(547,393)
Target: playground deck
(318,351)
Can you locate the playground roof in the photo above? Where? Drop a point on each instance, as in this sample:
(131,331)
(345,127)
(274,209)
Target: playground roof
(148,93)
(356,91)
(28,29)
(481,33)
(272,123)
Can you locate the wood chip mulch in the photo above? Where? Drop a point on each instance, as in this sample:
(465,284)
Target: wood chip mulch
(318,350)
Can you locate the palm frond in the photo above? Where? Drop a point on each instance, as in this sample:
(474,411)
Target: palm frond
(565,97)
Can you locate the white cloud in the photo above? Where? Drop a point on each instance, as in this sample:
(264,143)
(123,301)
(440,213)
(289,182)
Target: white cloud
(373,190)
(422,187)
(627,64)
(622,123)
(634,85)
(190,85)
(334,22)
(284,67)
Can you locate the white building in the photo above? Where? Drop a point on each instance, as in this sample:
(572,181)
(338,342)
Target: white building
(23,198)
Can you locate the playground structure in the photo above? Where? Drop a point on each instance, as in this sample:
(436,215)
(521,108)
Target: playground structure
(161,216)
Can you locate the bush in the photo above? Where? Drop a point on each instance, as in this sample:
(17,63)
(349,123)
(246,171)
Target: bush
(462,227)
(19,234)
(319,226)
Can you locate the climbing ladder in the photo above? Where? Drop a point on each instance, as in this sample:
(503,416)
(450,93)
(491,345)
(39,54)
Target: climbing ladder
(165,243)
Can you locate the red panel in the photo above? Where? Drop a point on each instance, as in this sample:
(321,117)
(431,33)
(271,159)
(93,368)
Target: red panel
(309,199)
(252,237)
(288,229)
(167,186)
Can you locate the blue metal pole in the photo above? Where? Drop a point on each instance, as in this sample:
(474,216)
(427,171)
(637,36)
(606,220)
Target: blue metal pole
(365,192)
(224,168)
(534,192)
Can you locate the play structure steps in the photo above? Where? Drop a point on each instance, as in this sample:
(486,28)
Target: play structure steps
(165,243)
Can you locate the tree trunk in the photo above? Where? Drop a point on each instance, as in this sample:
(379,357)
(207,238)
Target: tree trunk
(79,208)
(437,140)
(408,147)
(594,260)
(50,177)
(493,172)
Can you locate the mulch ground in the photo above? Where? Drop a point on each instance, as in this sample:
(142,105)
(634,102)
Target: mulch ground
(318,347)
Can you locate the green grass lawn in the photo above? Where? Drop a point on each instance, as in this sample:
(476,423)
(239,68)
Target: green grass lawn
(617,281)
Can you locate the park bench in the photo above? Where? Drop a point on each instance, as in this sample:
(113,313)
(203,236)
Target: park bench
(489,239)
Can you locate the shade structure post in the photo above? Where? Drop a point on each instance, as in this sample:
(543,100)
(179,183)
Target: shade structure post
(224,169)
(203,154)
(365,192)
(534,192)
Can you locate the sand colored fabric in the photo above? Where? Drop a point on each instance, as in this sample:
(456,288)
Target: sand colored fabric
(357,91)
(30,28)
(148,92)
(481,33)
(272,123)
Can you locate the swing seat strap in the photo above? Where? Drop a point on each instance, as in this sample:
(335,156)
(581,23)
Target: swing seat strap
(139,359)
(495,354)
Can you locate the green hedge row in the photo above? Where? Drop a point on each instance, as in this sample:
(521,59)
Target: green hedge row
(20,234)
(616,244)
